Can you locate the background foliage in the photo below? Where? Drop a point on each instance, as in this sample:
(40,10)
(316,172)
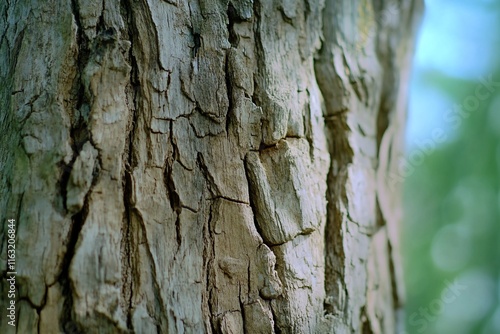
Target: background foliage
(451,235)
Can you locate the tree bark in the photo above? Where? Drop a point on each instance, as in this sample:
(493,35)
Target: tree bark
(203,166)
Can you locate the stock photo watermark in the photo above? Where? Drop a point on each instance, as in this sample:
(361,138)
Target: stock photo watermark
(454,116)
(11,272)
(421,319)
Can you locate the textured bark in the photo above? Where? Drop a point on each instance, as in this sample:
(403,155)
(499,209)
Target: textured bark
(203,166)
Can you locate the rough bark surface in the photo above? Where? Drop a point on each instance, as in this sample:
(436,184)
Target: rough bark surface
(203,166)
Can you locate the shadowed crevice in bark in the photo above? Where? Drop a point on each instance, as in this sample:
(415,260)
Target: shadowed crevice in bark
(160,316)
(66,320)
(77,222)
(366,327)
(383,119)
(394,282)
(277,329)
(209,178)
(79,131)
(79,134)
(232,18)
(252,206)
(208,266)
(341,154)
(229,89)
(15,50)
(173,195)
(385,55)
(128,243)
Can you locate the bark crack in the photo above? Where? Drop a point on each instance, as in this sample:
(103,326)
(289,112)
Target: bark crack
(156,286)
(208,263)
(229,87)
(173,195)
(212,185)
(341,155)
(79,134)
(233,18)
(130,214)
(254,209)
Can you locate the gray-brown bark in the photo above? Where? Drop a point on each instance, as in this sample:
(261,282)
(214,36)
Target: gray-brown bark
(203,166)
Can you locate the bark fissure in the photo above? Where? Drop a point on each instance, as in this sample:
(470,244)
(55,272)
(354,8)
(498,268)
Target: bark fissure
(127,243)
(173,196)
(232,18)
(208,261)
(252,206)
(66,320)
(335,195)
(341,155)
(79,134)
(16,48)
(211,183)
(161,316)
(229,85)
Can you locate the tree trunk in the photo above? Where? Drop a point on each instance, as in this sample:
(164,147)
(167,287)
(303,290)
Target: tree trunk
(203,166)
